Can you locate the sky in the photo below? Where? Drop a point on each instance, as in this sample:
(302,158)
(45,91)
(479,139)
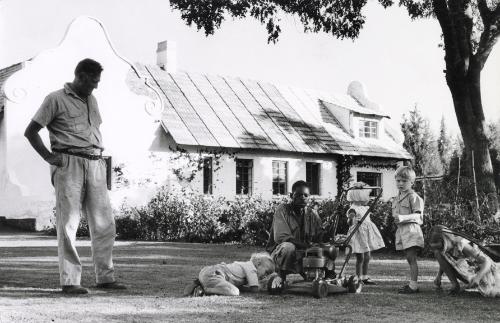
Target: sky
(398,60)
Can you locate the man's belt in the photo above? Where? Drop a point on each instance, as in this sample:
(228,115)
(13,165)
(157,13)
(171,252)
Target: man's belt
(87,156)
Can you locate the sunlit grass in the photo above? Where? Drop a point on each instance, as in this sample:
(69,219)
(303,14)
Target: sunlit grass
(157,273)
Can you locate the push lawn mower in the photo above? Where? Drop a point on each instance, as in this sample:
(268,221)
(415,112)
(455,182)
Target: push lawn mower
(491,250)
(316,257)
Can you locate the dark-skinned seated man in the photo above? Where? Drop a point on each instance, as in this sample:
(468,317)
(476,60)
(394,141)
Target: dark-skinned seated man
(295,227)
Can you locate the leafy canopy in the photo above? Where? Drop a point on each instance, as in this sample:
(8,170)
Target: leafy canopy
(340,18)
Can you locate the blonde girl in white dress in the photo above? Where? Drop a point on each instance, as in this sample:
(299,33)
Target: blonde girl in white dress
(367,238)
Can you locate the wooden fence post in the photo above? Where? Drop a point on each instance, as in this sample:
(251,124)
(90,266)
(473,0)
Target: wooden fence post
(475,187)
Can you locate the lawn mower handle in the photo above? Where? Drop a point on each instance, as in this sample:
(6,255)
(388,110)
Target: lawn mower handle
(333,229)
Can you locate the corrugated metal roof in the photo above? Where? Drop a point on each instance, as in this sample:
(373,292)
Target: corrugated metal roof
(229,112)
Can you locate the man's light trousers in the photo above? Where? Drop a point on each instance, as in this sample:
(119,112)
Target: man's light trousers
(80,186)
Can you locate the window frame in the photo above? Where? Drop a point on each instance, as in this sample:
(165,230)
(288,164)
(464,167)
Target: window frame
(378,180)
(208,176)
(280,181)
(314,189)
(373,125)
(249,175)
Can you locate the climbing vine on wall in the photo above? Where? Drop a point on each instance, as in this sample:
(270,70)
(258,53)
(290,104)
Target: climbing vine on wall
(190,163)
(346,162)
(344,165)
(375,163)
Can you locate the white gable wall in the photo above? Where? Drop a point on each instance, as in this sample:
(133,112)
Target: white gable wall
(29,192)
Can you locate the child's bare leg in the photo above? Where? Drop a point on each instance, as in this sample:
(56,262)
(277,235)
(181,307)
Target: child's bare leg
(359,263)
(222,288)
(445,267)
(411,257)
(367,257)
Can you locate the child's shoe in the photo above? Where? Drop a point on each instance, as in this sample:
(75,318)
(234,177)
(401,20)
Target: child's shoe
(454,291)
(406,289)
(198,291)
(368,281)
(193,289)
(354,284)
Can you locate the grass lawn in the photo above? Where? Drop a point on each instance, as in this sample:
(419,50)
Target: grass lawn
(157,273)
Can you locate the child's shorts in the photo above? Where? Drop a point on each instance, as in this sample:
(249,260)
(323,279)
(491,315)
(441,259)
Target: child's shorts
(409,235)
(214,281)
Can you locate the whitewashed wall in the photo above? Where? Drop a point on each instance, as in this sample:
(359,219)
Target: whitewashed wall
(224,179)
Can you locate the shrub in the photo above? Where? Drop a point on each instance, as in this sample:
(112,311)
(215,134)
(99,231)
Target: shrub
(185,216)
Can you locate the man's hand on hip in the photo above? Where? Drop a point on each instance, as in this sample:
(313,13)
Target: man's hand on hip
(55,160)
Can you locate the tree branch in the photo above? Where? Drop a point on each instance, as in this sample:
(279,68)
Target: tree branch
(496,11)
(461,16)
(484,11)
(488,39)
(450,44)
(490,34)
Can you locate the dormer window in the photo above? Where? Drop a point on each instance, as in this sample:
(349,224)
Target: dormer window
(368,129)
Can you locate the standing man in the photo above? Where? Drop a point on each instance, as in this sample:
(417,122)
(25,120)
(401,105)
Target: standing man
(295,226)
(78,174)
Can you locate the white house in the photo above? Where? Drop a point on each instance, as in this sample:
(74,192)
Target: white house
(239,136)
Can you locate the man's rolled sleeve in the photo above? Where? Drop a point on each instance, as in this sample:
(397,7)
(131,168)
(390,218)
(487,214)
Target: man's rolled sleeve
(47,111)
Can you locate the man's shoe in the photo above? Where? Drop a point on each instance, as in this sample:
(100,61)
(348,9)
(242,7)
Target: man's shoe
(74,290)
(406,289)
(368,281)
(191,288)
(112,285)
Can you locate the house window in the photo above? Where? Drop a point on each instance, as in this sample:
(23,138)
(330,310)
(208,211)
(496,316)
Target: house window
(207,175)
(279,177)
(312,177)
(368,129)
(372,179)
(244,178)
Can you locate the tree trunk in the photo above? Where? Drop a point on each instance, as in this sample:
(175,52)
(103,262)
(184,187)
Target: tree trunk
(466,93)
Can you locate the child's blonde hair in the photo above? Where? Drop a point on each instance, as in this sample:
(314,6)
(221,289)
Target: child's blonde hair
(263,257)
(357,194)
(405,172)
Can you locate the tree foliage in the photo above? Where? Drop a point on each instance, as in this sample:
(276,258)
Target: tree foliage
(444,146)
(342,19)
(420,143)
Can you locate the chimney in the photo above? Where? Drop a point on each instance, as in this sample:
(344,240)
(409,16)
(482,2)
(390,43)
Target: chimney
(357,91)
(166,57)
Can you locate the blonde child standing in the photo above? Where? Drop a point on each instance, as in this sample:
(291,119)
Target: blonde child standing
(407,209)
(367,238)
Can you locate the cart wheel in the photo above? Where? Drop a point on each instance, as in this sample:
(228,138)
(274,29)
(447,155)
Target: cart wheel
(276,290)
(354,285)
(320,288)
